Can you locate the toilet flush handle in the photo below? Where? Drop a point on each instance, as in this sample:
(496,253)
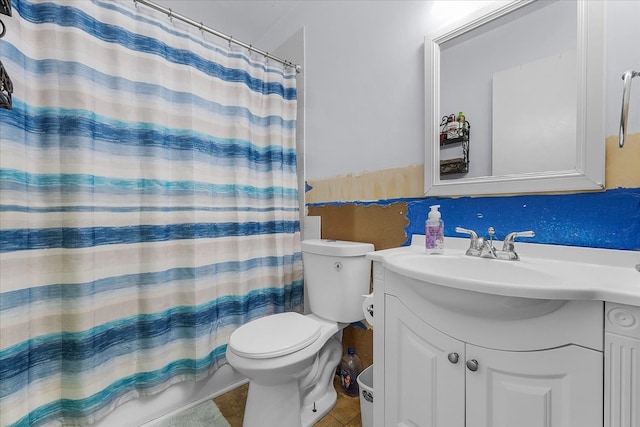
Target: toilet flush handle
(370,309)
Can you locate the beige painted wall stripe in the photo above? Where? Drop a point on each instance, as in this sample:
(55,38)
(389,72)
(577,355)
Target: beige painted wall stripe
(622,170)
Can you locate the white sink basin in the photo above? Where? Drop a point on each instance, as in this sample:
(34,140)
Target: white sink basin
(469,272)
(544,279)
(475,286)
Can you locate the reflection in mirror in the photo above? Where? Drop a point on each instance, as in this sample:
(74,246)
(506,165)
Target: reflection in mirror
(518,74)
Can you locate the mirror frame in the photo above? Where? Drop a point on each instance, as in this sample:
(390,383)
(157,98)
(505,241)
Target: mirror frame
(590,147)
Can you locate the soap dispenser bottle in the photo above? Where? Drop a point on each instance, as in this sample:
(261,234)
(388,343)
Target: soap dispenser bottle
(434,232)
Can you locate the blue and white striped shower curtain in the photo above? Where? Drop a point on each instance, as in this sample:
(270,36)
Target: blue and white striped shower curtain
(148,205)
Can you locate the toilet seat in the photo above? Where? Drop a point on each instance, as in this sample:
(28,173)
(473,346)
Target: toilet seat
(275,335)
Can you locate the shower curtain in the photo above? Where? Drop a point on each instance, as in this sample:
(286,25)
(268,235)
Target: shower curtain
(148,205)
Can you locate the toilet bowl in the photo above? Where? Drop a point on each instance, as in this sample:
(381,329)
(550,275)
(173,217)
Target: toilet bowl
(289,358)
(294,383)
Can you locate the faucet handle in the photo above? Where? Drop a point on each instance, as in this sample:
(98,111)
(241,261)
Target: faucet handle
(511,237)
(471,233)
(476,244)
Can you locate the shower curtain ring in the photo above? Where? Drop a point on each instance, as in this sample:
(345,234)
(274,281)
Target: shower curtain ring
(230,40)
(201,26)
(170,15)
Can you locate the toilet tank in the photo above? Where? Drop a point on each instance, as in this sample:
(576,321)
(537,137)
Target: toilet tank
(337,275)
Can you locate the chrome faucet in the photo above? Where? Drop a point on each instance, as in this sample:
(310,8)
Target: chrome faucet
(483,248)
(479,246)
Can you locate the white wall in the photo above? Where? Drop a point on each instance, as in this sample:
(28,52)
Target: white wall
(364,67)
(364,72)
(623,53)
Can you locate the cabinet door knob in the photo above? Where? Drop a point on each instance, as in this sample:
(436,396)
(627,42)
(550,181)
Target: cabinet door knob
(472,365)
(453,358)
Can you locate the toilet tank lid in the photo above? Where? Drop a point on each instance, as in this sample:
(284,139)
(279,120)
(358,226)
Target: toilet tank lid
(336,247)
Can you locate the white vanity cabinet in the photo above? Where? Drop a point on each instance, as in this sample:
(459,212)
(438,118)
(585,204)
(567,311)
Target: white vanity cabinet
(441,368)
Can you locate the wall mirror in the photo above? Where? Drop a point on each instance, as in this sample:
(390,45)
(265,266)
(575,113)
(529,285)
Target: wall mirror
(528,78)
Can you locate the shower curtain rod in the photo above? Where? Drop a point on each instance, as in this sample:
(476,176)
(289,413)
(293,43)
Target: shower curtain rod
(202,27)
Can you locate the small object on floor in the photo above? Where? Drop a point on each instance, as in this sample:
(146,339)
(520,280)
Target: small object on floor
(350,368)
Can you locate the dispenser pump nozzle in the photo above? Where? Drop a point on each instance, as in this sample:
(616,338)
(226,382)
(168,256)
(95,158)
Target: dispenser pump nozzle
(434,213)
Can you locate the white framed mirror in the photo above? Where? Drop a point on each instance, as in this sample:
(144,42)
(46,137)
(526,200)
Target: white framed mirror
(528,76)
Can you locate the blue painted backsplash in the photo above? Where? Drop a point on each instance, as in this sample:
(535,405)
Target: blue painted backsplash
(609,219)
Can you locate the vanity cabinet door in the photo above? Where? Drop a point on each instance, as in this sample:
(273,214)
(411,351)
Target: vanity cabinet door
(424,372)
(560,387)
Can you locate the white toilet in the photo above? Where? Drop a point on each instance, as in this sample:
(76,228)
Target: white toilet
(290,358)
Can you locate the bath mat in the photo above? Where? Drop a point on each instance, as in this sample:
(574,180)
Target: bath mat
(205,414)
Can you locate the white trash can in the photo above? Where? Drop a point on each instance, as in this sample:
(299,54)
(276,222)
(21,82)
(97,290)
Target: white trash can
(365,382)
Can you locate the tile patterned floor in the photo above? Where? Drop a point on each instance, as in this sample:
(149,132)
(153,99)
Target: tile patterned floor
(346,413)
